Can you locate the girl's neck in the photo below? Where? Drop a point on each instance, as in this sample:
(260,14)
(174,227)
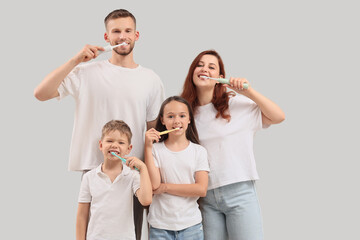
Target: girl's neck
(177,143)
(205,96)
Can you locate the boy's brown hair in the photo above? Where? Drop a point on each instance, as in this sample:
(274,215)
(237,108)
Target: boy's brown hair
(118,125)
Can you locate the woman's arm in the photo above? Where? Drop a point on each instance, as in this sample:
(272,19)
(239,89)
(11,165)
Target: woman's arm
(271,112)
(197,189)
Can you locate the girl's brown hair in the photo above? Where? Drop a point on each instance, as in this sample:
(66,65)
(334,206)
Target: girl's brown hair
(191,131)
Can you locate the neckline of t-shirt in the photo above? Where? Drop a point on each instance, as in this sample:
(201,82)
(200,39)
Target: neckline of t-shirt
(206,107)
(122,68)
(185,149)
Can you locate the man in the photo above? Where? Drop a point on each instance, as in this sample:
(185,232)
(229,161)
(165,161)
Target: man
(117,88)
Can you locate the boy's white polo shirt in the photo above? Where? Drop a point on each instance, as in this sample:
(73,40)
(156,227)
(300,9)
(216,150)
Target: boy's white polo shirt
(111,203)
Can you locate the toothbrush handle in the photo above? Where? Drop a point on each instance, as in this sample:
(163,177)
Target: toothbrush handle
(107,49)
(123,159)
(227,81)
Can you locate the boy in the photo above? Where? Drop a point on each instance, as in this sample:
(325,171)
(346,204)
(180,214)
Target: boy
(105,208)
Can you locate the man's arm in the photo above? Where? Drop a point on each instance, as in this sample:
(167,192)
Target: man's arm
(82,220)
(151,124)
(47,89)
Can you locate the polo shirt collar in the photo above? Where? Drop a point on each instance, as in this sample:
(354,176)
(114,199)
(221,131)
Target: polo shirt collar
(125,171)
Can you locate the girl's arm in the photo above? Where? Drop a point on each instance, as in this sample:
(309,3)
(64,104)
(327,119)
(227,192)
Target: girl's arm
(197,189)
(154,172)
(144,193)
(82,220)
(271,112)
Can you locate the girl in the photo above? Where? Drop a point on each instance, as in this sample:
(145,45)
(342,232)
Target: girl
(178,169)
(227,123)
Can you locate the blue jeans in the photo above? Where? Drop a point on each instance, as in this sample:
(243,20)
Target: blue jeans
(232,212)
(191,233)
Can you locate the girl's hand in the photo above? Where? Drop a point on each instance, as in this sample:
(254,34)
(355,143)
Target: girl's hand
(151,136)
(133,162)
(161,189)
(237,84)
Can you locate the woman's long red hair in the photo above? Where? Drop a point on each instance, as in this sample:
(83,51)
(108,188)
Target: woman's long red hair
(220,97)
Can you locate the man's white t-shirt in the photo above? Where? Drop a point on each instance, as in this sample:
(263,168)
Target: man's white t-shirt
(105,92)
(172,212)
(111,203)
(229,144)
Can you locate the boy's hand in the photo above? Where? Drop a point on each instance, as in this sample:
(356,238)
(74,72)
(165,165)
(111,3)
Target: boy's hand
(87,53)
(133,162)
(151,136)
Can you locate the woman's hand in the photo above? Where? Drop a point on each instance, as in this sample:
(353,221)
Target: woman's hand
(237,84)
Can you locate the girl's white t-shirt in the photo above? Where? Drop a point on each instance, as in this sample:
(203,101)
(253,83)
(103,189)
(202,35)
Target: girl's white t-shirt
(172,212)
(229,144)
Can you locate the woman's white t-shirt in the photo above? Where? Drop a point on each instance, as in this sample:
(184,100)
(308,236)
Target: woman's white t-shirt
(229,144)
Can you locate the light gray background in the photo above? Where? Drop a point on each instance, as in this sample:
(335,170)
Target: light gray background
(303,55)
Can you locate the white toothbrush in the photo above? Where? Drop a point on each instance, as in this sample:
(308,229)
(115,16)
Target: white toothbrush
(225,81)
(109,47)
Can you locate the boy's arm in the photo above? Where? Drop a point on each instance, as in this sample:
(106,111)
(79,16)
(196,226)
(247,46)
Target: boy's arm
(82,220)
(47,89)
(197,189)
(144,193)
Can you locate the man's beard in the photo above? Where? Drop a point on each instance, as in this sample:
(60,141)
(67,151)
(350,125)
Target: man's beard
(124,53)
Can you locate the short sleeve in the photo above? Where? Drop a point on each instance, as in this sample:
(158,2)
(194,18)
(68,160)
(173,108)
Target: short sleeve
(155,155)
(84,193)
(156,98)
(136,181)
(71,84)
(202,160)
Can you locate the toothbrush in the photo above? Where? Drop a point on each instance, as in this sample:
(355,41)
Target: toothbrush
(109,47)
(122,159)
(168,131)
(225,81)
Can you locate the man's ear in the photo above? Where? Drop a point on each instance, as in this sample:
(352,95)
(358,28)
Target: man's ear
(106,37)
(137,35)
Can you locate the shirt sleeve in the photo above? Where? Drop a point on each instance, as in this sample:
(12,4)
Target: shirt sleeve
(84,194)
(136,181)
(71,84)
(155,155)
(156,98)
(202,160)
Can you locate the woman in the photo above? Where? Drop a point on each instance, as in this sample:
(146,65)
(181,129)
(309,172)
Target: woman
(226,124)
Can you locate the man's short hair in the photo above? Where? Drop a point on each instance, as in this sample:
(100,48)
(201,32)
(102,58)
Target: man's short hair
(119,13)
